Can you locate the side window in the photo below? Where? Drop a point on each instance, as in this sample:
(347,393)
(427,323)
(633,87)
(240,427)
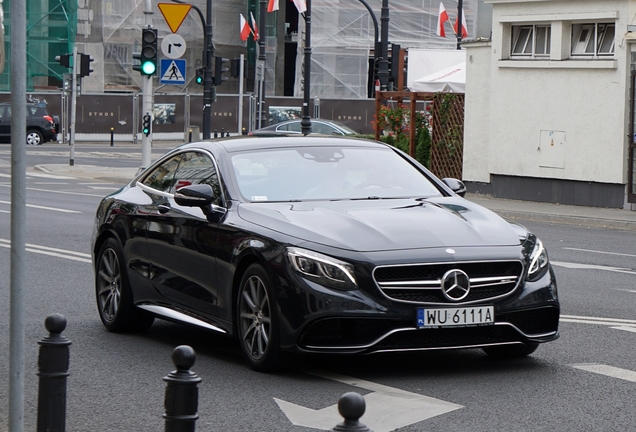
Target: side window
(321,128)
(198,168)
(162,177)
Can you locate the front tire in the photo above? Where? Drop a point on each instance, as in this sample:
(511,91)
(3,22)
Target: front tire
(113,293)
(511,351)
(34,137)
(257,321)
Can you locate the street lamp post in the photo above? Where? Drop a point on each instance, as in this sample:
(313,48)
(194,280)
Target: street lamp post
(460,8)
(383,72)
(305,123)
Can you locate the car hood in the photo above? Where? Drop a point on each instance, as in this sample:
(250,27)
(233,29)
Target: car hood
(387,224)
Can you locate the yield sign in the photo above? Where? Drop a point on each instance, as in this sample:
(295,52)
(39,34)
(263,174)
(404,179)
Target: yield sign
(174,14)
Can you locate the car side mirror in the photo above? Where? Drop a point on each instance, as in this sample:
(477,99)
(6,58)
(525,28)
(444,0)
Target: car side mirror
(200,195)
(456,186)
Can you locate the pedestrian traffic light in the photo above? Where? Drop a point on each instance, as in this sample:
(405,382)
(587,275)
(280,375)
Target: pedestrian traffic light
(85,64)
(199,76)
(148,55)
(220,67)
(145,126)
(64,60)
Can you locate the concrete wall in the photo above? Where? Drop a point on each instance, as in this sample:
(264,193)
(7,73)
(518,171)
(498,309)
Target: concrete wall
(513,105)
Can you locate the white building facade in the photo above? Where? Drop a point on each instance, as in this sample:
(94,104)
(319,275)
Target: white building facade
(549,103)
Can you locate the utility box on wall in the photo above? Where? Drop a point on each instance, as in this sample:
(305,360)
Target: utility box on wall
(552,149)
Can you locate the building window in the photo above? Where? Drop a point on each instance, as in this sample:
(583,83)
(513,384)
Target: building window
(593,40)
(530,41)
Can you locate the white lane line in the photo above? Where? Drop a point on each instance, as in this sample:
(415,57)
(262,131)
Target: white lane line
(606,370)
(4,211)
(592,267)
(629,329)
(45,250)
(598,321)
(45,208)
(58,191)
(601,252)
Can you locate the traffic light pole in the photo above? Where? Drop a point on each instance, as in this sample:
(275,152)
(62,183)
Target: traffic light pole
(305,122)
(208,88)
(262,57)
(383,72)
(73,104)
(146,140)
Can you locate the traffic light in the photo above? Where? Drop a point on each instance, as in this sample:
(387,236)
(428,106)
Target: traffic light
(145,126)
(148,54)
(220,67)
(199,76)
(64,60)
(85,64)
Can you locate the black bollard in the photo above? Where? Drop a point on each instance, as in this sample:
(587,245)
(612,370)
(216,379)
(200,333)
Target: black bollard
(351,406)
(53,361)
(244,131)
(216,134)
(222,132)
(112,136)
(182,392)
(190,136)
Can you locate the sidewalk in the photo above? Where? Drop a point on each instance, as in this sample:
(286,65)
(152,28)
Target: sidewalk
(516,210)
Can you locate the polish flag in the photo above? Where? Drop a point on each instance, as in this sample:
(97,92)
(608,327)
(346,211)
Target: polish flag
(464,27)
(272,6)
(441,19)
(254,26)
(245,28)
(300,5)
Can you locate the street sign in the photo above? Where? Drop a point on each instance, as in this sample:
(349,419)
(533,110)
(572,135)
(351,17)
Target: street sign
(174,14)
(172,71)
(173,46)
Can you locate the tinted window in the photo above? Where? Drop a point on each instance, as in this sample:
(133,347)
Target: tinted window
(162,177)
(322,128)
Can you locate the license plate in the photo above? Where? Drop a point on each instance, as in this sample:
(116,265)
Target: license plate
(455,317)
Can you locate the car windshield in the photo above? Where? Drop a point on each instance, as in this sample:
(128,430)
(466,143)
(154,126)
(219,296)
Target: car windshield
(306,173)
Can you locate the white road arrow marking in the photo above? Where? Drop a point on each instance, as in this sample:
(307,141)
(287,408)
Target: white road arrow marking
(387,408)
(610,371)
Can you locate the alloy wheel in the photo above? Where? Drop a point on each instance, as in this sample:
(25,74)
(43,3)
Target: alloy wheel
(109,285)
(255,317)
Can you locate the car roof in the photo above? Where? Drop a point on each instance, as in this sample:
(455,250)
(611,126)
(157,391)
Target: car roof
(243,143)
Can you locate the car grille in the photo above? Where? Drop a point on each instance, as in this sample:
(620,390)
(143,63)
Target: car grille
(422,283)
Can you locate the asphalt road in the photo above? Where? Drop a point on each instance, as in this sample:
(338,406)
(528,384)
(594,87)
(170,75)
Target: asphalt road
(586,380)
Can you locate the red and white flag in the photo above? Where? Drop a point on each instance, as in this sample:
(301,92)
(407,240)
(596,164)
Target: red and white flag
(441,19)
(245,28)
(464,27)
(254,26)
(300,5)
(272,5)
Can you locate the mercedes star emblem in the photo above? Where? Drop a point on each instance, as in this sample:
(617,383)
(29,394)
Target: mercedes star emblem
(455,285)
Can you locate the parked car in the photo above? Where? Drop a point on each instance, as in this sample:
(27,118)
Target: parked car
(318,245)
(41,126)
(318,126)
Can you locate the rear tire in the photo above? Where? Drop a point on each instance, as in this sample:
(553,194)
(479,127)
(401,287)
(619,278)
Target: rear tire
(511,351)
(257,321)
(34,137)
(113,292)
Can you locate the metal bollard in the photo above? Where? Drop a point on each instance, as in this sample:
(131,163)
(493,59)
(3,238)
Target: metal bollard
(244,131)
(53,361)
(112,136)
(190,136)
(182,392)
(216,134)
(351,406)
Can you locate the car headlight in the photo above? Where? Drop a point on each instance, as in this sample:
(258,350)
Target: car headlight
(538,261)
(322,269)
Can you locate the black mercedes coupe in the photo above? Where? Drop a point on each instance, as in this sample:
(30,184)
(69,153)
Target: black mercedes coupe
(318,245)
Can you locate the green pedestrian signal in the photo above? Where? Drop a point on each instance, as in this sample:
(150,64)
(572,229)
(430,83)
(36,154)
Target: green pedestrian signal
(199,76)
(145,126)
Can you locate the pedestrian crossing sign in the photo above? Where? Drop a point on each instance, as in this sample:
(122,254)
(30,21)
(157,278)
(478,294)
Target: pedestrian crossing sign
(172,71)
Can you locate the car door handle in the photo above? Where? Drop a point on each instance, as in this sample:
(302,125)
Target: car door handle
(163,208)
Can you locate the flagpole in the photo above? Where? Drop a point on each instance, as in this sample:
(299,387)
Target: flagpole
(460,32)
(262,57)
(305,123)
